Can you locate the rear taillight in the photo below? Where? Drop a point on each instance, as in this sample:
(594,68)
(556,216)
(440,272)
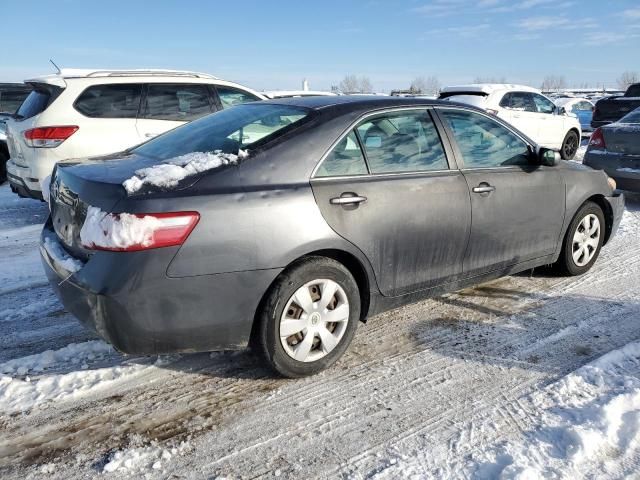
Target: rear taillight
(596,142)
(124,232)
(48,137)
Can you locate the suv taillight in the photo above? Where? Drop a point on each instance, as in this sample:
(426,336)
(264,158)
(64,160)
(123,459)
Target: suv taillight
(48,137)
(596,142)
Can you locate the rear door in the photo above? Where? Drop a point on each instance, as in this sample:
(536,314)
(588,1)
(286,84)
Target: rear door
(167,106)
(517,207)
(387,187)
(519,110)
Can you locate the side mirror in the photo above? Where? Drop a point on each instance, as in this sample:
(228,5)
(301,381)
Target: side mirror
(548,157)
(562,111)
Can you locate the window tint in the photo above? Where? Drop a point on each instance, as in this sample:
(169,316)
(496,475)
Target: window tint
(110,101)
(227,131)
(181,102)
(483,142)
(402,142)
(10,100)
(345,159)
(521,101)
(230,97)
(542,104)
(35,103)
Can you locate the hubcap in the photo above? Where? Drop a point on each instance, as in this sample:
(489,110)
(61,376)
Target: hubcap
(314,320)
(585,240)
(570,146)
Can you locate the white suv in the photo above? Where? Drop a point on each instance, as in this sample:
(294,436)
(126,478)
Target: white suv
(526,109)
(79,113)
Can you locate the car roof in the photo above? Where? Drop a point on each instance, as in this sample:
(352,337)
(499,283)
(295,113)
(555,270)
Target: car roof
(296,93)
(488,88)
(358,102)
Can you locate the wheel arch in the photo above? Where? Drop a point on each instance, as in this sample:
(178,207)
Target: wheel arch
(599,200)
(348,260)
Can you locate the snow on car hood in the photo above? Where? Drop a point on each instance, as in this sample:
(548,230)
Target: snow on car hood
(168,173)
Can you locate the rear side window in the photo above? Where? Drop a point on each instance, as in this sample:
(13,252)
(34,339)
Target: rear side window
(180,102)
(37,101)
(402,142)
(231,96)
(11,99)
(345,159)
(521,101)
(110,101)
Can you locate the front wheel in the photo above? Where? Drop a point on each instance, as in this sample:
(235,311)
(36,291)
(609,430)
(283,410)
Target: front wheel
(583,240)
(308,318)
(570,145)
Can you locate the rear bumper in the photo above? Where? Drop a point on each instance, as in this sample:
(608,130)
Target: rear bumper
(22,182)
(128,300)
(624,171)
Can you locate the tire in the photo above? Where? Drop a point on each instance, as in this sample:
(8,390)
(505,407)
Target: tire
(570,145)
(567,262)
(3,167)
(312,275)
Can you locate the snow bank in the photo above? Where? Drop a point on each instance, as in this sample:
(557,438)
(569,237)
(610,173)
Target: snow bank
(587,420)
(171,171)
(117,231)
(139,459)
(74,353)
(60,256)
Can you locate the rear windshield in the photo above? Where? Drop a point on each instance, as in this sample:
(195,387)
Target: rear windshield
(37,101)
(470,98)
(631,117)
(227,131)
(633,91)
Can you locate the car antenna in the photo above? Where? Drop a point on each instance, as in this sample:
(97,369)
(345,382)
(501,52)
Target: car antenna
(57,67)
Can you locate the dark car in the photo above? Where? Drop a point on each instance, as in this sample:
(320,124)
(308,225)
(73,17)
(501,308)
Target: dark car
(333,210)
(611,109)
(11,97)
(615,148)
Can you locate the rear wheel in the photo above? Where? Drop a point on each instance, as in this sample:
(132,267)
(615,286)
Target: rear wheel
(570,145)
(308,318)
(3,167)
(583,240)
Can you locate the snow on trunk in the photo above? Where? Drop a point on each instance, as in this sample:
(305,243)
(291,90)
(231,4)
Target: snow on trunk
(170,172)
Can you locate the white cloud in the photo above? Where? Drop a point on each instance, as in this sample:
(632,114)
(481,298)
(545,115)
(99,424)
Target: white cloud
(542,23)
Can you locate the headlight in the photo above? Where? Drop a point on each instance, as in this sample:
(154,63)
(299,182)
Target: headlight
(612,183)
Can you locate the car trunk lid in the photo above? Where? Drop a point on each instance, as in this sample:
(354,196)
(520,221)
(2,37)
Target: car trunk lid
(622,138)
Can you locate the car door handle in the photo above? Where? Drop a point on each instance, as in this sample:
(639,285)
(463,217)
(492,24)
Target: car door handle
(484,188)
(348,198)
(150,135)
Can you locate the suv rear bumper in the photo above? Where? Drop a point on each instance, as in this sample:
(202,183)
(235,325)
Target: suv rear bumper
(19,187)
(23,181)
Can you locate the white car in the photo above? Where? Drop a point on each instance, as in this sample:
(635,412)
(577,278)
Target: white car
(85,113)
(526,109)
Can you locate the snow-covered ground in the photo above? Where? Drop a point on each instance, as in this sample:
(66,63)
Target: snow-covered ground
(530,376)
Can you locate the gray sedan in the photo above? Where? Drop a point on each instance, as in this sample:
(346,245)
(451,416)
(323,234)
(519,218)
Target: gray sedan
(283,224)
(615,148)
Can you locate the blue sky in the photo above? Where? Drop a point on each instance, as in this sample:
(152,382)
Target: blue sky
(269,45)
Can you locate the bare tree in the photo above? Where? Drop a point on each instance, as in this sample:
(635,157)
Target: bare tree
(627,78)
(490,80)
(553,83)
(354,84)
(425,86)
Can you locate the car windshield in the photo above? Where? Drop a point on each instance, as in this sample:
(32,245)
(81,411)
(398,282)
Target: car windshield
(631,117)
(227,131)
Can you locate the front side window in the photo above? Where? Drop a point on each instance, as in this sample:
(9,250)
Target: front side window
(519,101)
(543,105)
(230,97)
(180,102)
(483,142)
(227,131)
(110,101)
(402,142)
(344,159)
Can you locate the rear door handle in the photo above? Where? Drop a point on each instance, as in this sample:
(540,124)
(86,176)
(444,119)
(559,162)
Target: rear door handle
(484,188)
(150,135)
(348,198)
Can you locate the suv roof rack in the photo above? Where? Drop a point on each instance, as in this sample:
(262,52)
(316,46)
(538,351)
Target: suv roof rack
(76,73)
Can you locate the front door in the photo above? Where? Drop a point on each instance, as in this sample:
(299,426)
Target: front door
(399,202)
(517,206)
